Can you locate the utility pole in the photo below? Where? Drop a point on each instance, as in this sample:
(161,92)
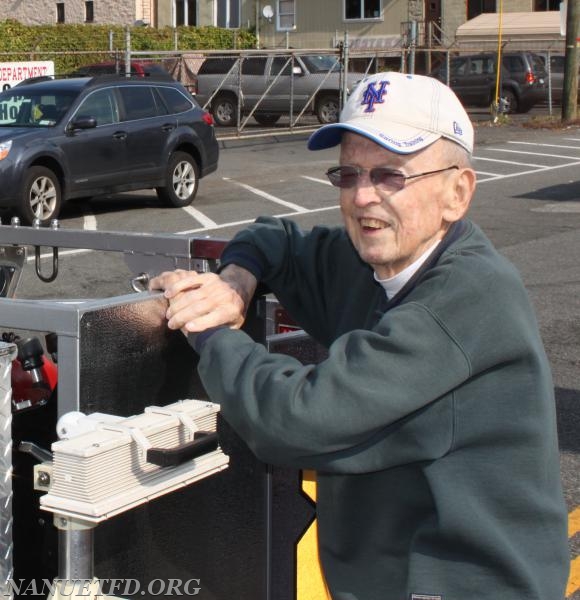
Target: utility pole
(570,91)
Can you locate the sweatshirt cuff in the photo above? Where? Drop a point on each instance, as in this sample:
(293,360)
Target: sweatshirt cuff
(251,261)
(197,340)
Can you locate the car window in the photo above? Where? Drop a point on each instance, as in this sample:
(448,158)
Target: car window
(174,100)
(101,105)
(321,63)
(479,65)
(254,65)
(459,67)
(514,64)
(279,63)
(21,107)
(216,66)
(138,102)
(488,66)
(557,64)
(537,63)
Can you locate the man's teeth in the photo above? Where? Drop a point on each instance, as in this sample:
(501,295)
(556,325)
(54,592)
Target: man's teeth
(373,223)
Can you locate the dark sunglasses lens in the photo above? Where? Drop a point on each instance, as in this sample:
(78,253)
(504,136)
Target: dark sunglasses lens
(343,177)
(387,179)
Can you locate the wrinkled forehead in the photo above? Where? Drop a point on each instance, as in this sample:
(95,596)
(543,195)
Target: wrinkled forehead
(356,148)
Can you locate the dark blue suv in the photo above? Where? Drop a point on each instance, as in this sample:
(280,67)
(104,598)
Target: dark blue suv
(82,137)
(523,79)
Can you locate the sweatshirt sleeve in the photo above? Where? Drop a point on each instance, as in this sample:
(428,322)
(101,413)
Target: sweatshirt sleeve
(303,270)
(382,398)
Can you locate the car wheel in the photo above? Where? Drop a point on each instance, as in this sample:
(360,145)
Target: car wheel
(224,110)
(508,102)
(267,119)
(327,109)
(181,180)
(41,196)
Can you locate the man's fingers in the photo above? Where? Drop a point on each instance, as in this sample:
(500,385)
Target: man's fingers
(198,301)
(167,279)
(208,306)
(219,316)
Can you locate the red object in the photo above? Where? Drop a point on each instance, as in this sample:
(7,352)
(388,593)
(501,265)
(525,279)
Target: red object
(22,382)
(530,77)
(283,322)
(208,118)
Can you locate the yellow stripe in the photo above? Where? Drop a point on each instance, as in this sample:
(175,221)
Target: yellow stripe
(574,522)
(310,584)
(574,580)
(310,581)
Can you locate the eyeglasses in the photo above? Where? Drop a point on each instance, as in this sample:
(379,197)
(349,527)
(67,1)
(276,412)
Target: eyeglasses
(383,178)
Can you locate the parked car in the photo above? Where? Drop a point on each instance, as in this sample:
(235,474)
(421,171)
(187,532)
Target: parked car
(139,68)
(474,78)
(272,85)
(556,74)
(76,138)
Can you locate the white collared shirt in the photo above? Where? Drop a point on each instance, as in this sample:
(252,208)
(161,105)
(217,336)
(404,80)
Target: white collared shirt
(394,284)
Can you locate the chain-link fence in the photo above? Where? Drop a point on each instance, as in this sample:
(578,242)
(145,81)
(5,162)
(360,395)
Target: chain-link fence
(251,92)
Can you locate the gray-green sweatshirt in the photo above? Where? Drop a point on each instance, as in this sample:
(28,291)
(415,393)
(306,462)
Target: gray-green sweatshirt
(431,424)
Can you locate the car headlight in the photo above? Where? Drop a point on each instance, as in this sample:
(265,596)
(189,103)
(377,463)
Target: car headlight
(5,149)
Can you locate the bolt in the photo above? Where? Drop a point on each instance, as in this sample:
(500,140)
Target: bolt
(43,478)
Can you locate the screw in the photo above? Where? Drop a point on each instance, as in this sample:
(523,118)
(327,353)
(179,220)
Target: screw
(43,478)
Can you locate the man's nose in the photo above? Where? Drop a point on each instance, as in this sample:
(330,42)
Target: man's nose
(365,192)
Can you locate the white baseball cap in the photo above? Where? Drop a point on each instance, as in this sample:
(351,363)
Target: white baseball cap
(403,113)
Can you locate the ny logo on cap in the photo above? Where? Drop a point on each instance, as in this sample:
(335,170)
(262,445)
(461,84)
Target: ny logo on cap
(373,95)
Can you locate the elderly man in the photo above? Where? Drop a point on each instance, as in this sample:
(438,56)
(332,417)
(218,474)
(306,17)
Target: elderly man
(431,425)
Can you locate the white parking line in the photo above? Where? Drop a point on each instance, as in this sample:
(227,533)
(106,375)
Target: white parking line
(509,162)
(209,225)
(531,172)
(262,194)
(248,221)
(535,153)
(90,222)
(316,179)
(486,174)
(199,216)
(546,145)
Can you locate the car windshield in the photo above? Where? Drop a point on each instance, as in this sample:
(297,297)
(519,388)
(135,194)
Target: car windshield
(23,107)
(321,63)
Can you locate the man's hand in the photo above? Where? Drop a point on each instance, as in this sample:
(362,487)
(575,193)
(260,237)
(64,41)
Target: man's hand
(198,301)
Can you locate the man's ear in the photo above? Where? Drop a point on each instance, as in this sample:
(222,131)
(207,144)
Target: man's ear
(459,198)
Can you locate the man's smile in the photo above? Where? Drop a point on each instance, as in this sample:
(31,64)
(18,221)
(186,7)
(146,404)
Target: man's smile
(368,223)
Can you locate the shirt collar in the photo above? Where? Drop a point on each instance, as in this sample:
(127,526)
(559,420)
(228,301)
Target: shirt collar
(393,285)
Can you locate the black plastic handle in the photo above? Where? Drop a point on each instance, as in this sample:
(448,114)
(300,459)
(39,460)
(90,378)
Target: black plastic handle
(203,442)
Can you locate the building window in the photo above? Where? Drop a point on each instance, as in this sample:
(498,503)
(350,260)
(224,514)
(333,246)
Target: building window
(89,11)
(286,15)
(362,9)
(477,7)
(60,12)
(540,5)
(185,12)
(228,13)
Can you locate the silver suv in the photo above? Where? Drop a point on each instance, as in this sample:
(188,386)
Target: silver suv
(270,86)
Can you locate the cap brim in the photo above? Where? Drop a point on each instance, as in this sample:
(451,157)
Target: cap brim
(398,138)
